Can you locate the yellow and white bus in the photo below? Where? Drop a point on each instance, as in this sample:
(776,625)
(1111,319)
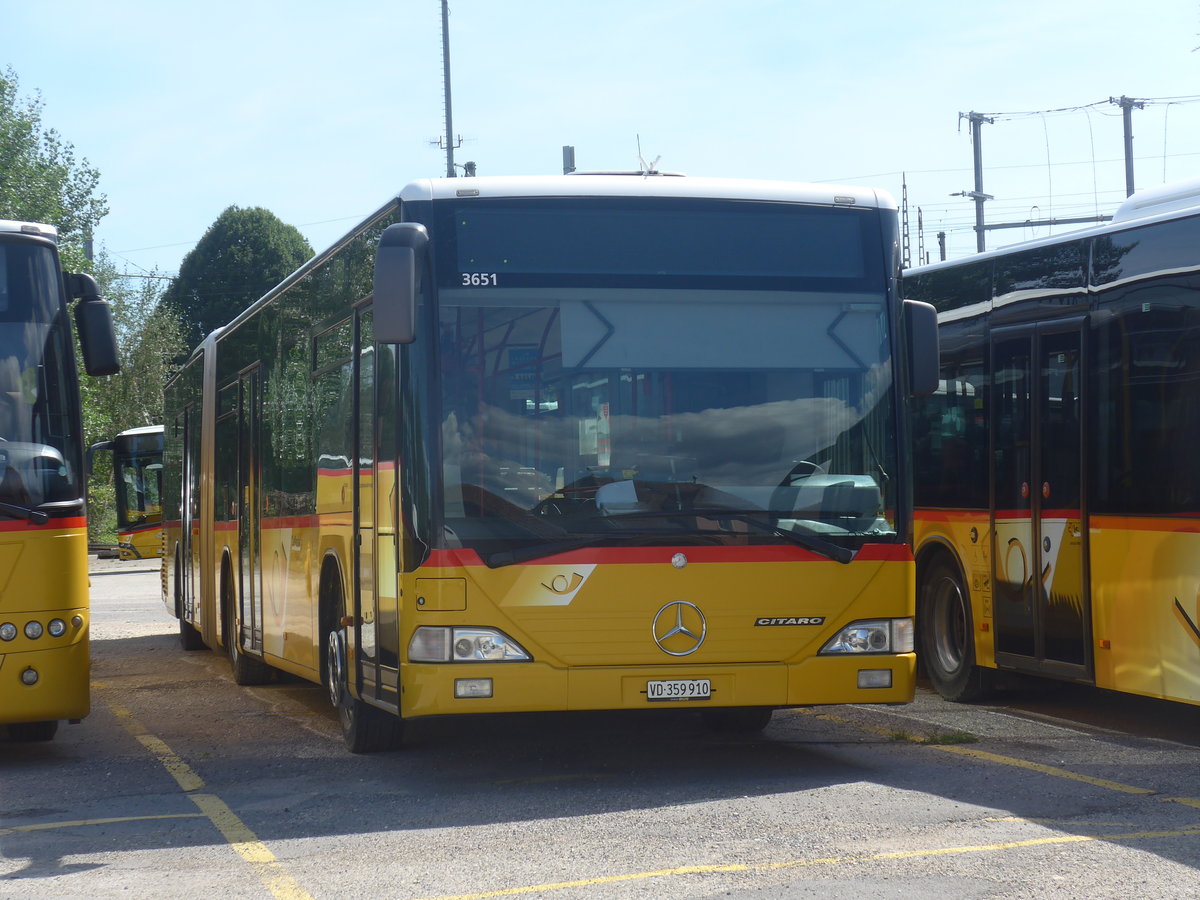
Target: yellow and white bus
(137,478)
(562,443)
(43,530)
(1058,495)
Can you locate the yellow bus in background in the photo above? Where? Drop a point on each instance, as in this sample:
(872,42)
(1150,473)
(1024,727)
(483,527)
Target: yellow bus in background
(562,443)
(1057,485)
(137,479)
(44,656)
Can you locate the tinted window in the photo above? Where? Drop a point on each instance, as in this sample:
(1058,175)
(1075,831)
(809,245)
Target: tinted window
(1147,390)
(621,242)
(953,287)
(1142,251)
(1060,267)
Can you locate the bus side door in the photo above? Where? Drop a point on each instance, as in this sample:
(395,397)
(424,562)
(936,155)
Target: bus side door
(1042,613)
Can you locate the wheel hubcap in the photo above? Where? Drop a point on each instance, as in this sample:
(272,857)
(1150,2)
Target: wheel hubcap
(950,618)
(336,657)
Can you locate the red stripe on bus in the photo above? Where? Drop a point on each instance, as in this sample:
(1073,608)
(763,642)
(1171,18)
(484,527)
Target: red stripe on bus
(1181,525)
(53,524)
(650,555)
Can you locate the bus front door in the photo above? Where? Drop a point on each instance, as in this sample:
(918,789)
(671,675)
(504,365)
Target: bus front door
(1041,609)
(375,475)
(249,596)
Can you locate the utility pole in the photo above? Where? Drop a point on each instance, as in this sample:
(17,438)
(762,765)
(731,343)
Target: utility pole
(921,257)
(446,81)
(905,243)
(1128,105)
(977,120)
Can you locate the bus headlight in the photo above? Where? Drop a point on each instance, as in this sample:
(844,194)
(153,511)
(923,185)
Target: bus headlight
(57,628)
(8,632)
(873,636)
(433,643)
(33,629)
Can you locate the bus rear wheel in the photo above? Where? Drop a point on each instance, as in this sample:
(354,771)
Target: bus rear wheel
(948,635)
(246,669)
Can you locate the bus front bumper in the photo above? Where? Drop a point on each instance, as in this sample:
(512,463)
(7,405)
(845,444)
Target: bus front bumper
(449,689)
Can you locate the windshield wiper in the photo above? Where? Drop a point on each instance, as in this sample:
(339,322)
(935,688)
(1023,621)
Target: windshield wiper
(32,516)
(817,545)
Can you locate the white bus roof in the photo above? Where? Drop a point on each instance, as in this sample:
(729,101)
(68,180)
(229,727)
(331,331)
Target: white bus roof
(1162,199)
(637,185)
(143,429)
(8,226)
(1168,201)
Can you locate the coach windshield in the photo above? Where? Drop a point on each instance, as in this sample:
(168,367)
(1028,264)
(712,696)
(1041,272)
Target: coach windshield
(38,454)
(619,374)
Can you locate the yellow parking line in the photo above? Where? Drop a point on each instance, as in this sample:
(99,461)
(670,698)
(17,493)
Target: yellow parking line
(997,758)
(1043,769)
(83,823)
(822,861)
(240,838)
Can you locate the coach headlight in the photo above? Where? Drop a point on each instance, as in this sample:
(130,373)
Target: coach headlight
(8,632)
(872,636)
(436,643)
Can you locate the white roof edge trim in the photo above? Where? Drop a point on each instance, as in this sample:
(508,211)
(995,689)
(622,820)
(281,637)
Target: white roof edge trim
(38,229)
(1164,198)
(647,186)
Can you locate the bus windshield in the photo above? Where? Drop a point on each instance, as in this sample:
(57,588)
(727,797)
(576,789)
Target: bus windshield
(39,455)
(139,485)
(728,381)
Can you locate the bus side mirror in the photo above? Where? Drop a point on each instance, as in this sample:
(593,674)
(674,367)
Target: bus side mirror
(93,322)
(920,320)
(90,456)
(398,269)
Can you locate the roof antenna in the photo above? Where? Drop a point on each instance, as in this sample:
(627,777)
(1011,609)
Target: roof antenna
(646,168)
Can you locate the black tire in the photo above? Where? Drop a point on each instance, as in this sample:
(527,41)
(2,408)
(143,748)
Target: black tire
(365,728)
(738,719)
(246,669)
(31,732)
(947,633)
(189,637)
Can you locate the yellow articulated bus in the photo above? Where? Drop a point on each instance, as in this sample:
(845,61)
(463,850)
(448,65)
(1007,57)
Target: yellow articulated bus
(1058,494)
(137,477)
(562,443)
(43,530)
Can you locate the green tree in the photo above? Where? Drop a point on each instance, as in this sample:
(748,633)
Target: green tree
(149,340)
(40,178)
(244,253)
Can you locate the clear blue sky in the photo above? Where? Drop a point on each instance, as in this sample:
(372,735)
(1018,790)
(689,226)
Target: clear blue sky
(320,111)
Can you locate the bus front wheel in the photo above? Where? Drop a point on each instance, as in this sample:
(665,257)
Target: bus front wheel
(365,729)
(948,636)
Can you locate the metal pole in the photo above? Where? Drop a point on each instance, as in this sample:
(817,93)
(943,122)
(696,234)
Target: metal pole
(976,128)
(446,81)
(1127,107)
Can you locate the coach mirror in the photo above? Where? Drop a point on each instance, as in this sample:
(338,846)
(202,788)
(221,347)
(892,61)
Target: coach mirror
(920,321)
(398,266)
